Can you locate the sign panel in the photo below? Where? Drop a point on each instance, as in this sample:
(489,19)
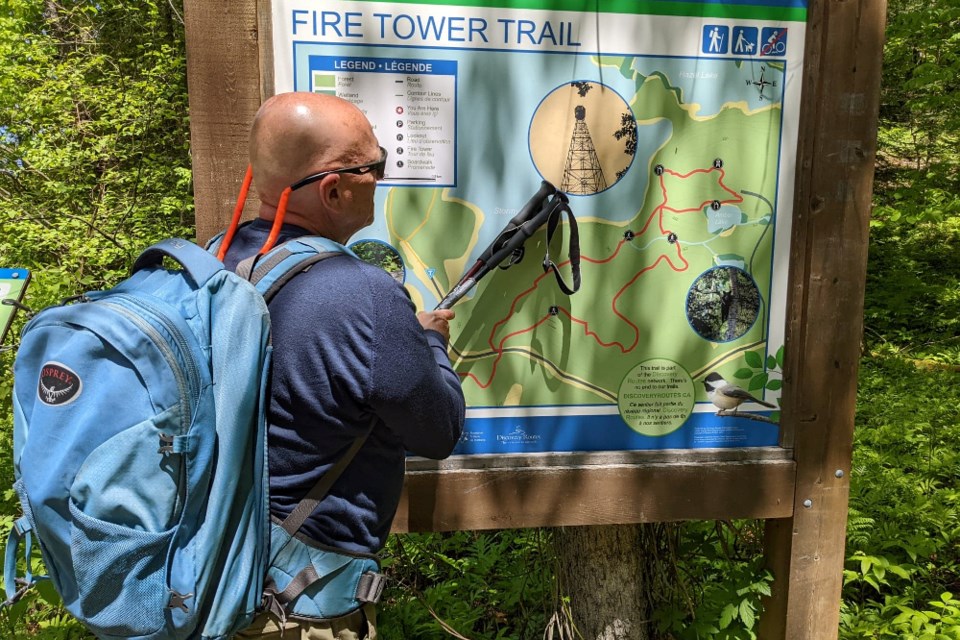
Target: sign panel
(671,126)
(13,284)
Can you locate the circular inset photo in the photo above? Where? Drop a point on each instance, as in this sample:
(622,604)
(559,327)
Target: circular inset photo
(380,254)
(583,137)
(723,304)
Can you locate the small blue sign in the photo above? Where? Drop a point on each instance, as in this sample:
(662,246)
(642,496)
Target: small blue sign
(716,39)
(773,41)
(431,272)
(745,41)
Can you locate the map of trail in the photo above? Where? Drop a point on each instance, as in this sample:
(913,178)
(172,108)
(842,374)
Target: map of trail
(672,129)
(676,221)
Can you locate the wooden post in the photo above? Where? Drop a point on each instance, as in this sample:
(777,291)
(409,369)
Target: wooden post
(224,85)
(829,254)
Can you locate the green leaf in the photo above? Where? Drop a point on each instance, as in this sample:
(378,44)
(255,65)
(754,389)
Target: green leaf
(780,357)
(48,593)
(774,384)
(771,362)
(903,617)
(758,382)
(727,615)
(753,359)
(747,615)
(899,571)
(743,374)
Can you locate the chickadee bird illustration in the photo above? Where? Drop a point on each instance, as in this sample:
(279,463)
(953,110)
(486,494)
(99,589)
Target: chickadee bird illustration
(726,396)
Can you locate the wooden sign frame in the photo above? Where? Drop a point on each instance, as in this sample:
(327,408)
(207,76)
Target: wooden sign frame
(800,488)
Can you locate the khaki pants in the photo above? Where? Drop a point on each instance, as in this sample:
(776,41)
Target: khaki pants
(359,625)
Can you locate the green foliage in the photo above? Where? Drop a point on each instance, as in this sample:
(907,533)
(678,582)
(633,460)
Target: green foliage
(478,585)
(903,569)
(720,582)
(380,255)
(918,170)
(94,150)
(723,304)
(912,304)
(903,547)
(94,166)
(94,144)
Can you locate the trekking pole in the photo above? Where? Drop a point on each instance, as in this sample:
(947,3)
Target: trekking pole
(544,208)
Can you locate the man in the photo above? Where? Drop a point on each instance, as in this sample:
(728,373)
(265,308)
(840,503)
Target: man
(347,344)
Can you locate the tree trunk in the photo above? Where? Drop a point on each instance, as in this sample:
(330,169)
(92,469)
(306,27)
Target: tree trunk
(606,571)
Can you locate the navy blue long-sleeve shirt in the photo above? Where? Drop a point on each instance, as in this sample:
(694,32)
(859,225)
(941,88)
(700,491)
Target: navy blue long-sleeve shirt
(348,346)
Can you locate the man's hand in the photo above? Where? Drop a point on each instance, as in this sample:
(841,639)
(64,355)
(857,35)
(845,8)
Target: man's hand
(437,321)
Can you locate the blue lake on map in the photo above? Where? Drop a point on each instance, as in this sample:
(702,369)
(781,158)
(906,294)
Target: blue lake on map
(724,218)
(713,83)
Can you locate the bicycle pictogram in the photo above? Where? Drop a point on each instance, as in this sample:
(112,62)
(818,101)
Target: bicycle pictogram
(774,41)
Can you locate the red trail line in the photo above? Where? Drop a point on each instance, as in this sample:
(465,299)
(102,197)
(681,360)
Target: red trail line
(586,328)
(499,350)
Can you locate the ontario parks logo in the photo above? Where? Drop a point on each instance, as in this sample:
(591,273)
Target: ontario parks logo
(518,436)
(58,384)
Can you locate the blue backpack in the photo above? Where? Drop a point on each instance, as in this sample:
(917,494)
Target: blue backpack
(140,455)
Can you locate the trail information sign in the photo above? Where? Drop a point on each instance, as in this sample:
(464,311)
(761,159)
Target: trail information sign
(672,127)
(700,177)
(13,284)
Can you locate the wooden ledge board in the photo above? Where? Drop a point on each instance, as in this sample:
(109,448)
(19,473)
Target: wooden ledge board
(591,494)
(597,458)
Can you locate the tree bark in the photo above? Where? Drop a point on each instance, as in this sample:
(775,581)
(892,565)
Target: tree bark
(607,573)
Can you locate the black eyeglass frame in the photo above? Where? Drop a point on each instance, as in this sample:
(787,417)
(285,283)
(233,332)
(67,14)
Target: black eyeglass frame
(378,168)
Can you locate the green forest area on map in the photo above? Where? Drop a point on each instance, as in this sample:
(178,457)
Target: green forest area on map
(519,341)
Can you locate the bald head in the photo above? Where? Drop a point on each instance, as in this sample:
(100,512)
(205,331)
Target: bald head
(296,134)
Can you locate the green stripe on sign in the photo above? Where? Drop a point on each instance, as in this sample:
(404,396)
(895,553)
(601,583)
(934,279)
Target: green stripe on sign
(325,83)
(324,80)
(637,7)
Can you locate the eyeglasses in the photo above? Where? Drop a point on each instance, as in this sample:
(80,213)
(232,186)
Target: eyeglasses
(378,168)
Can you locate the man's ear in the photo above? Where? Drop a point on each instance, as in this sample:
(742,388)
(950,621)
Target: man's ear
(329,188)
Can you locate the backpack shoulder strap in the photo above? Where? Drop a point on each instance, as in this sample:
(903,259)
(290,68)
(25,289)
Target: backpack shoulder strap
(268,273)
(292,523)
(213,244)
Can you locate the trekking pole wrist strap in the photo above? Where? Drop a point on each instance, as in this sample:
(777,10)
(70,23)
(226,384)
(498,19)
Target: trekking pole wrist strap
(574,248)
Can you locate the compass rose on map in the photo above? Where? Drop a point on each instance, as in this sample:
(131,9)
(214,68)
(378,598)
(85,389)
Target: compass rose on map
(762,83)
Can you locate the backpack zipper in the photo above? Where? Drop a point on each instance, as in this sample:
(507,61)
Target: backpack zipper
(193,372)
(187,383)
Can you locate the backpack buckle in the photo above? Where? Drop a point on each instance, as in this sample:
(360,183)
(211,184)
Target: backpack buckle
(22,526)
(173,444)
(166,444)
(178,600)
(370,587)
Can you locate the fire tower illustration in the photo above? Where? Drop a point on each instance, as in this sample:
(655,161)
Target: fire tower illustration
(582,172)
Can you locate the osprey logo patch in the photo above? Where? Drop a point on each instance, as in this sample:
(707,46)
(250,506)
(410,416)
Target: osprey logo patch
(58,384)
